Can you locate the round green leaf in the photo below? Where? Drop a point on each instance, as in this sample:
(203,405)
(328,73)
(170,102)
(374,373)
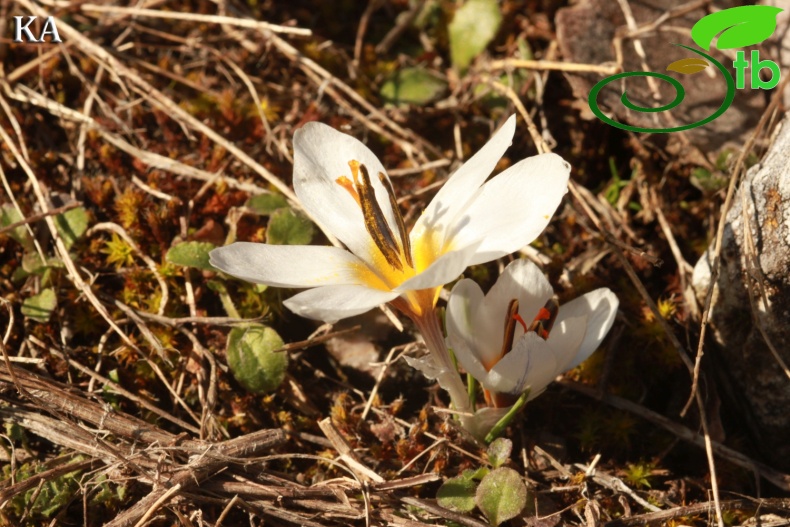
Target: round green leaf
(457,494)
(8,216)
(71,225)
(501,495)
(191,254)
(288,227)
(265,204)
(474,26)
(413,86)
(40,307)
(252,359)
(499,451)
(31,263)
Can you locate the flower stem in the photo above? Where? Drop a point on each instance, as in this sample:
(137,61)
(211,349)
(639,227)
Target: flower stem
(503,423)
(449,378)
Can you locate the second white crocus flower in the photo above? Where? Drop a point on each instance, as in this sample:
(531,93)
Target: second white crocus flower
(514,339)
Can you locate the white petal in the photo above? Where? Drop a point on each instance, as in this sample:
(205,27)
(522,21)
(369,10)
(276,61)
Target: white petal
(446,268)
(471,348)
(529,365)
(465,299)
(321,156)
(522,280)
(463,183)
(566,340)
(513,208)
(287,265)
(600,308)
(468,357)
(333,302)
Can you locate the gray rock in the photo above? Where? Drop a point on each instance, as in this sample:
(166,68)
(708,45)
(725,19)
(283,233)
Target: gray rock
(756,376)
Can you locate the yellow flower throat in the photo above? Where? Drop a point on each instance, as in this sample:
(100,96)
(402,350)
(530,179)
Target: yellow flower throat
(393,260)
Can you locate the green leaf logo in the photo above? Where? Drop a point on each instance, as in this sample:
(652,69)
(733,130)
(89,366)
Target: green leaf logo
(739,27)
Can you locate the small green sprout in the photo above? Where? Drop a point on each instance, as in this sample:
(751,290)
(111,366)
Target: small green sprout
(119,253)
(638,475)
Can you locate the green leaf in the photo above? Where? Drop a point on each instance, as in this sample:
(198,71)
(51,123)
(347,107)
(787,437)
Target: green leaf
(476,474)
(413,86)
(708,181)
(724,159)
(9,215)
(501,495)
(499,451)
(252,359)
(108,391)
(191,254)
(265,204)
(289,227)
(71,225)
(612,192)
(51,495)
(457,494)
(429,17)
(739,27)
(55,494)
(474,26)
(40,307)
(15,432)
(31,263)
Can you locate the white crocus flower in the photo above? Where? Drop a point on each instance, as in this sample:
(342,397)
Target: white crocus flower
(345,188)
(342,184)
(514,339)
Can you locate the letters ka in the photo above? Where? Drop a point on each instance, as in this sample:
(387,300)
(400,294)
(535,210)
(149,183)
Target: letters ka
(24,28)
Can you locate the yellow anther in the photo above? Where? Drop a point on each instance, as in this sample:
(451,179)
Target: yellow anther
(346,183)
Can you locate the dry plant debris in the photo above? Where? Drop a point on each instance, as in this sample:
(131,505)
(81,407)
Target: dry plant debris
(157,131)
